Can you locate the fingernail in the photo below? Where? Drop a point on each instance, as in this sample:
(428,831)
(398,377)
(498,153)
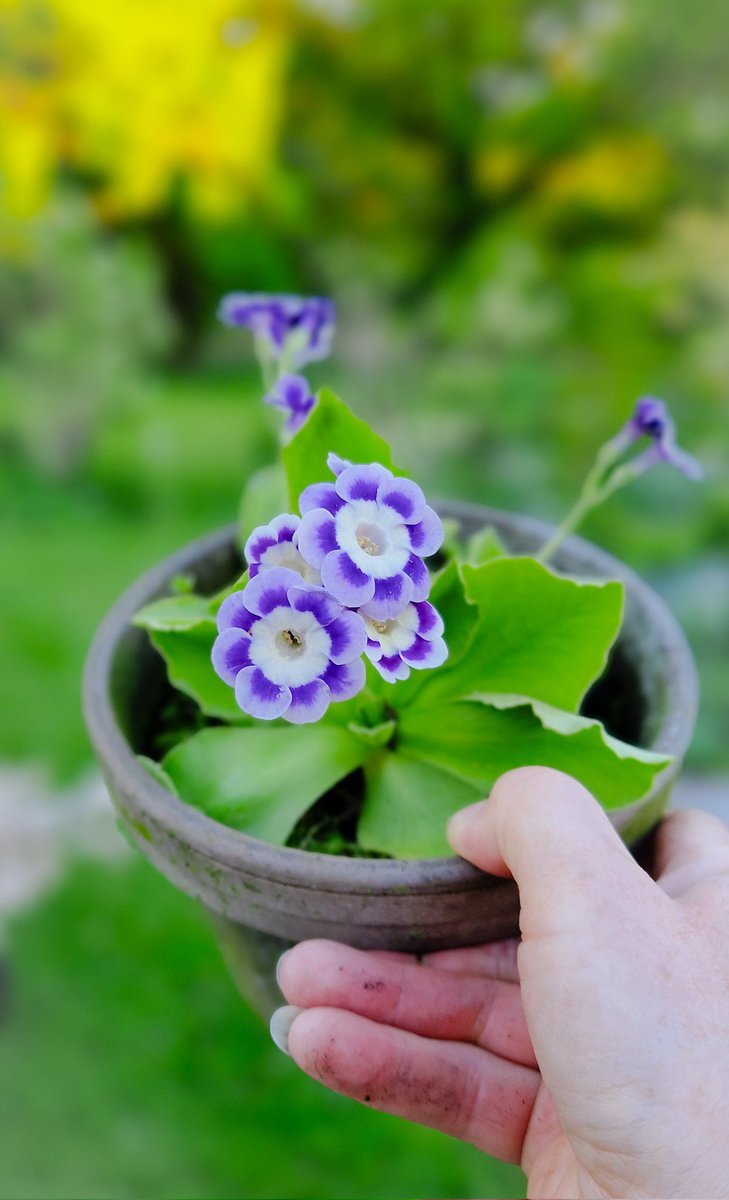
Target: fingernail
(281,1023)
(463,821)
(279,964)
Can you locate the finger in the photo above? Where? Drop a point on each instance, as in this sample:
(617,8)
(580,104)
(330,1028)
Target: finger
(459,1089)
(547,831)
(408,995)
(692,849)
(495,960)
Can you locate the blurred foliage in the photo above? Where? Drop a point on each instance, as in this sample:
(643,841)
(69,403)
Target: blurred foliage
(81,318)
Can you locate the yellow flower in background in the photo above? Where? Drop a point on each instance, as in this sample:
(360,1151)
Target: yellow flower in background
(619,177)
(142,97)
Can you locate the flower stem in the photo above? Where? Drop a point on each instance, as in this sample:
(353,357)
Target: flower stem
(573,519)
(601,481)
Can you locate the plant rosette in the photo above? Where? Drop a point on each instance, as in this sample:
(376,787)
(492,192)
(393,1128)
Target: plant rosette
(286,733)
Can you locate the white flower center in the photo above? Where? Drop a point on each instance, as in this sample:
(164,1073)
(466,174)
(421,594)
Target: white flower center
(374,537)
(285,554)
(290,647)
(396,635)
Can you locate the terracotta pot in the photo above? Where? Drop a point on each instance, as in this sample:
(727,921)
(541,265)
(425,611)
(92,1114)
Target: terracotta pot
(263,897)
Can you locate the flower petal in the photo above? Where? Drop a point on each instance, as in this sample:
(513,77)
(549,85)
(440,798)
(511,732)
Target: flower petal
(284,526)
(340,576)
(293,395)
(373,650)
(231,653)
(258,543)
(392,668)
(671,453)
(651,419)
(238,308)
(281,529)
(259,697)
(361,482)
(349,637)
(345,680)
(234,613)
(418,573)
(320,495)
(308,703)
(336,464)
(390,597)
(426,654)
(405,497)
(316,536)
(426,536)
(430,622)
(269,590)
(316,601)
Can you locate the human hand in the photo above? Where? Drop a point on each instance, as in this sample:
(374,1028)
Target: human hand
(595,1052)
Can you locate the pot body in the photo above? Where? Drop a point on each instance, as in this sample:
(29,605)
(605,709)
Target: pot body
(263,897)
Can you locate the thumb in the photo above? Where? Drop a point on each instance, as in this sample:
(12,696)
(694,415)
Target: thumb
(692,848)
(586,906)
(544,829)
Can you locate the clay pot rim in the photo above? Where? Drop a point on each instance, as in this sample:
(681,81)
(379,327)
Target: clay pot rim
(335,873)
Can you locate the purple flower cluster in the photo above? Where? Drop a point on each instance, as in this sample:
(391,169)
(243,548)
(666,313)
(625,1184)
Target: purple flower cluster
(652,419)
(346,579)
(297,327)
(288,648)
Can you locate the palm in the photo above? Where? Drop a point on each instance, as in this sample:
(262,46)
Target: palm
(553,1166)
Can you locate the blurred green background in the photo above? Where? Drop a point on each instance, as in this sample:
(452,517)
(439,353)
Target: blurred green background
(522,211)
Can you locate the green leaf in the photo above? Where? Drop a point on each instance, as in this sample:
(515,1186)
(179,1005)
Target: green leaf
(187,653)
(174,613)
(265,495)
(182,584)
(407,806)
(157,772)
(485,545)
(460,615)
(330,428)
(262,779)
(538,634)
(374,736)
(553,635)
(479,739)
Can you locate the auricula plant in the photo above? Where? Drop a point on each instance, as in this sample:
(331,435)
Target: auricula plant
(422,669)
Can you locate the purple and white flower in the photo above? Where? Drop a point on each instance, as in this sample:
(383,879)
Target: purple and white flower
(413,639)
(288,649)
(272,545)
(300,328)
(367,533)
(292,394)
(652,419)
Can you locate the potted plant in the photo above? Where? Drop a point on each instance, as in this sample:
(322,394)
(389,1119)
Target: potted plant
(285,733)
